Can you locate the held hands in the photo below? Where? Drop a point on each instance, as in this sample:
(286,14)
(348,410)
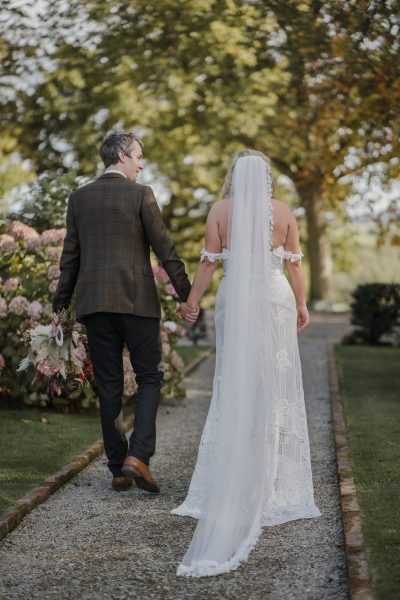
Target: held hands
(188,313)
(303,317)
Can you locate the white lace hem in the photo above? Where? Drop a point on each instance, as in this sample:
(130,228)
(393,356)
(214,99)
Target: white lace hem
(275,516)
(208,568)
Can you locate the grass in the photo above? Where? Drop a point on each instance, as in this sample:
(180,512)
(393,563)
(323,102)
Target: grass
(190,353)
(35,444)
(370,384)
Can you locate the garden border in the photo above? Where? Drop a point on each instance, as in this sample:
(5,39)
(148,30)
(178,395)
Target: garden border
(24,505)
(357,565)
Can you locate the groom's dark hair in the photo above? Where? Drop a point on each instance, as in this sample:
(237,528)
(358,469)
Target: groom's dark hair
(114,142)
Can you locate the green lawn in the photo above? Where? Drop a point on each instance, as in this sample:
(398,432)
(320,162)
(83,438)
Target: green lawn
(190,353)
(370,389)
(35,444)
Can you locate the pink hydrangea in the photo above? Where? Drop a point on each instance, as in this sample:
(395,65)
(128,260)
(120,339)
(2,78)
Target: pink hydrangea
(32,243)
(11,284)
(53,286)
(180,331)
(130,385)
(164,335)
(54,252)
(2,363)
(48,310)
(166,348)
(170,290)
(176,360)
(18,305)
(7,243)
(3,307)
(53,272)
(160,274)
(20,231)
(35,310)
(53,237)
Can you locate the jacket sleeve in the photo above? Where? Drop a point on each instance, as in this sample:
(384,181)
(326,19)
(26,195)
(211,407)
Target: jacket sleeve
(164,248)
(69,263)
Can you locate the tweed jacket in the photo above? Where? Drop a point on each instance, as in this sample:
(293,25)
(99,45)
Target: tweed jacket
(111,225)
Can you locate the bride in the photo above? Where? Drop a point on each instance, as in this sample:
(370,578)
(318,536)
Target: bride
(253,467)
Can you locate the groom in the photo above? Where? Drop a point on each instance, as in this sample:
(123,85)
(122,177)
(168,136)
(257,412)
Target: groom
(111,225)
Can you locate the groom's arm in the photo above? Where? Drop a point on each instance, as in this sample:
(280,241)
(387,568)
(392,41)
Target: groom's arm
(69,263)
(163,247)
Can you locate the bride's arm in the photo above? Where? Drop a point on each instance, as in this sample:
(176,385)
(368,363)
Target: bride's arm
(206,268)
(296,273)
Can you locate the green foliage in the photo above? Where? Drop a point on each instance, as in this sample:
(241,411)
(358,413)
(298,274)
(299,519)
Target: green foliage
(376,310)
(312,84)
(28,279)
(44,204)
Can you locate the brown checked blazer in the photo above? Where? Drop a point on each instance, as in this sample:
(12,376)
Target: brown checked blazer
(111,224)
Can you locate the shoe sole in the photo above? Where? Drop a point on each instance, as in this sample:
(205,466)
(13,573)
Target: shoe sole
(141,483)
(121,489)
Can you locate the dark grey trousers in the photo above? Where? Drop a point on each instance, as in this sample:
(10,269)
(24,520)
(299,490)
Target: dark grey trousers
(107,334)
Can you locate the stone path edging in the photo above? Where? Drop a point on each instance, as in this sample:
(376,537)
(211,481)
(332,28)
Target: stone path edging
(358,572)
(24,505)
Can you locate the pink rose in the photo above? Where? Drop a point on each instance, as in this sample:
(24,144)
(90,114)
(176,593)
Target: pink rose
(46,368)
(80,352)
(2,363)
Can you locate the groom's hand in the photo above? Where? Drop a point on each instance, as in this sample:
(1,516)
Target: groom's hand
(189,313)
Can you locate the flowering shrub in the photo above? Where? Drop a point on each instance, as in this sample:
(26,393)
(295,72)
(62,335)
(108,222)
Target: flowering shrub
(29,273)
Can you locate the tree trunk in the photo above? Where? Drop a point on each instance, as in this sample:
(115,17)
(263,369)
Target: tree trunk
(319,246)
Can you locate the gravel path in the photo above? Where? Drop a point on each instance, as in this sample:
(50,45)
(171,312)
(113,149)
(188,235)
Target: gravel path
(91,543)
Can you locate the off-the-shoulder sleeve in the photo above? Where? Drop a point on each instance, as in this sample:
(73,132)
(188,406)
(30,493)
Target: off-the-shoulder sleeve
(212,256)
(287,255)
(293,257)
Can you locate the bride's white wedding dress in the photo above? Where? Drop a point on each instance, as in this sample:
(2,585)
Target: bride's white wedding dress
(278,440)
(293,496)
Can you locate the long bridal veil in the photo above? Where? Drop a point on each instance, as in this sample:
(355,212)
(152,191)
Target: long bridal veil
(242,473)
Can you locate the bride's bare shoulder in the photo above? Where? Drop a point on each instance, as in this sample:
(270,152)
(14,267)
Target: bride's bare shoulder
(219,208)
(278,204)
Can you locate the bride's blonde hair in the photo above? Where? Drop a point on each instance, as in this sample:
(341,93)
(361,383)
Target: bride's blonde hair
(226,188)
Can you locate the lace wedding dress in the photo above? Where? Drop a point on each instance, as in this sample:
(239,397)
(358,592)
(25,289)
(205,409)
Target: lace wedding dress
(279,488)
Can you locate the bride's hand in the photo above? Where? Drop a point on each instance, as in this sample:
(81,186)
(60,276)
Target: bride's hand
(188,313)
(303,318)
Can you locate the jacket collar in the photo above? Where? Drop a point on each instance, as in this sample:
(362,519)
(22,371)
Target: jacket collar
(110,175)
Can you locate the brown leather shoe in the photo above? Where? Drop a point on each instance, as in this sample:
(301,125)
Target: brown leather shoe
(120,484)
(133,467)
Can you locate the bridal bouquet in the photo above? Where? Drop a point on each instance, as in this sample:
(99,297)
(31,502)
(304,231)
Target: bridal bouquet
(58,352)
